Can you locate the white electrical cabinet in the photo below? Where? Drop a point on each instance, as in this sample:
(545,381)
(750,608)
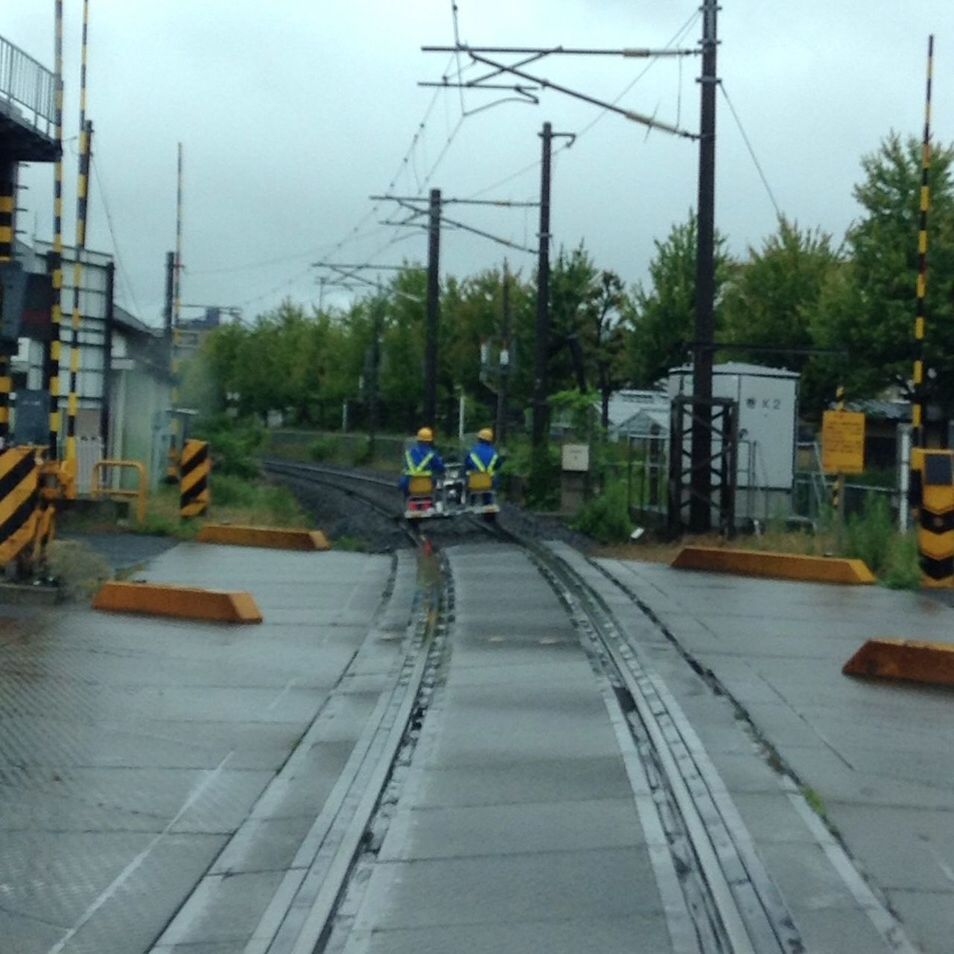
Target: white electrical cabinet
(768,419)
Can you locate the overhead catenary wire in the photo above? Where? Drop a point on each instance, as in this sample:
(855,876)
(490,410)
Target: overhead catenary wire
(676,38)
(422,184)
(748,145)
(124,275)
(355,233)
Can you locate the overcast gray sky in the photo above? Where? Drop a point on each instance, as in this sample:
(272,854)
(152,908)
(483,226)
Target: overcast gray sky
(292,112)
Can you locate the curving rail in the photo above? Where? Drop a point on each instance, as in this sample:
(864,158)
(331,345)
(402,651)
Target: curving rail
(716,892)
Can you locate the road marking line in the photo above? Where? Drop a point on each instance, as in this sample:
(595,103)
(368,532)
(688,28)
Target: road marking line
(133,865)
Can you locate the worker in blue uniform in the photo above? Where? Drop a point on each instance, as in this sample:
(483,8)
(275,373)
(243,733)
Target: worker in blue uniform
(422,459)
(484,459)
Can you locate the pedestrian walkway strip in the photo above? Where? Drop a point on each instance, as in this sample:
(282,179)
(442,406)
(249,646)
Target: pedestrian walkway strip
(277,538)
(182,602)
(907,659)
(765,563)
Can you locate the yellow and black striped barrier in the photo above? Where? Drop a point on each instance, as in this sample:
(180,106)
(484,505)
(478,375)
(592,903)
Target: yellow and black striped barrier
(195,466)
(932,494)
(19,499)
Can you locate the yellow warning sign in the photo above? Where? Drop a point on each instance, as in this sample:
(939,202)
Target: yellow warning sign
(843,442)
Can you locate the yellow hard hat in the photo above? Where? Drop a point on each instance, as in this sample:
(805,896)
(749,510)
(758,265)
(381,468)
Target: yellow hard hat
(485,434)
(425,434)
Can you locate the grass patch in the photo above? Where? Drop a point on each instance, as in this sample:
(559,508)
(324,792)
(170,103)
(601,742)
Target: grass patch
(606,517)
(815,802)
(892,557)
(352,544)
(79,569)
(234,500)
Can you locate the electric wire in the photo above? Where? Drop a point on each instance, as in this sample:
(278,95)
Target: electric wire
(677,38)
(407,166)
(748,146)
(124,275)
(409,160)
(460,88)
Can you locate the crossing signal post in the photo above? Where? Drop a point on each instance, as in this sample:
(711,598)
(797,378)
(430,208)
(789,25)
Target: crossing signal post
(931,480)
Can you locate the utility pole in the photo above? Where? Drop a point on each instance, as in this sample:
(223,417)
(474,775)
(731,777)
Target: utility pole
(436,218)
(377,309)
(542,329)
(700,506)
(167,308)
(503,361)
(433,308)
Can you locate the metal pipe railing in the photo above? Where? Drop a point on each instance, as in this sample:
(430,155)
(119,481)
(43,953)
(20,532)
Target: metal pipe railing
(26,82)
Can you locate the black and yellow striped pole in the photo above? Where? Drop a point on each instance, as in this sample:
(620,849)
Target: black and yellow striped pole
(82,191)
(917,407)
(195,467)
(51,348)
(932,471)
(8,202)
(19,475)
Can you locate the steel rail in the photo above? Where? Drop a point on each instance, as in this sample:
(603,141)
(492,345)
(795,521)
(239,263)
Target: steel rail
(747,914)
(338,479)
(300,913)
(732,904)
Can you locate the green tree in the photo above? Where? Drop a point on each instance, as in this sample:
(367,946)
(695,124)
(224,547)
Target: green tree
(661,318)
(402,349)
(867,307)
(771,296)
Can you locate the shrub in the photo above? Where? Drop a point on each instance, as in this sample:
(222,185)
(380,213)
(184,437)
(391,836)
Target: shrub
(902,571)
(323,448)
(229,490)
(233,445)
(870,535)
(606,517)
(359,451)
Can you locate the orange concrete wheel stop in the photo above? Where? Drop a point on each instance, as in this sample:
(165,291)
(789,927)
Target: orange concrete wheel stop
(780,566)
(277,538)
(908,659)
(183,602)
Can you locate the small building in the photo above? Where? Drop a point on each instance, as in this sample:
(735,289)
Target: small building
(767,400)
(191,332)
(634,413)
(123,385)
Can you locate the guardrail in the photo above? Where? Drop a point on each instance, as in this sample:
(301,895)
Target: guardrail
(139,494)
(26,83)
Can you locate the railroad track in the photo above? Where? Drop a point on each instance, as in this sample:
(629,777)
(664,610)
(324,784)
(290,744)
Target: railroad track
(378,492)
(717,894)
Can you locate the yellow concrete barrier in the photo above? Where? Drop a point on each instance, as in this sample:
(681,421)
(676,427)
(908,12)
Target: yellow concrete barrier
(908,659)
(279,538)
(183,602)
(783,566)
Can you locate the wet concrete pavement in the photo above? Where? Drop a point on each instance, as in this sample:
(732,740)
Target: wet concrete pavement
(878,756)
(132,750)
(518,829)
(161,782)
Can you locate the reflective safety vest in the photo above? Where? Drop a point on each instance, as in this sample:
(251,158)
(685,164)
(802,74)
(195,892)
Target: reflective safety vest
(421,469)
(480,466)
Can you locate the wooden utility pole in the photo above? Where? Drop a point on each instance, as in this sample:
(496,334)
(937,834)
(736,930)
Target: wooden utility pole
(377,322)
(433,308)
(503,360)
(541,352)
(700,505)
